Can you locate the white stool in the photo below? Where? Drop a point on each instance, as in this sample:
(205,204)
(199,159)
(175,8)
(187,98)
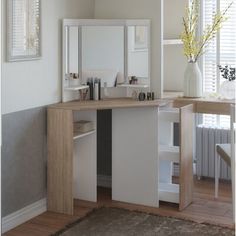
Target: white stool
(227,153)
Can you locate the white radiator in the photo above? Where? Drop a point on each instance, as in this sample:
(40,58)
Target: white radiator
(206,140)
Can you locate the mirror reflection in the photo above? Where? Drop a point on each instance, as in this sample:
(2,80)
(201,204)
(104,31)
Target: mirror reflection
(103,54)
(73,51)
(138,52)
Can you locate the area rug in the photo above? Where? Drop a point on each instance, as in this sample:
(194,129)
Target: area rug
(120,222)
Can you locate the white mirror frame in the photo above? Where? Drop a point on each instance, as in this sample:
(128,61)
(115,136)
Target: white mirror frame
(36,52)
(96,22)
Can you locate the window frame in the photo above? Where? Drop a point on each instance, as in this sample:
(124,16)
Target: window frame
(10,33)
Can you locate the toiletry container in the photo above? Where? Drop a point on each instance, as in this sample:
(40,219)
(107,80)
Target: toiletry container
(96,90)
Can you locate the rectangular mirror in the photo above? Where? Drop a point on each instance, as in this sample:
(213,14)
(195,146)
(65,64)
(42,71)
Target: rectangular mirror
(138,54)
(73,50)
(103,50)
(115,51)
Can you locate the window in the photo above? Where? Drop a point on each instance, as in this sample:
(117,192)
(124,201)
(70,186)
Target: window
(220,51)
(23,29)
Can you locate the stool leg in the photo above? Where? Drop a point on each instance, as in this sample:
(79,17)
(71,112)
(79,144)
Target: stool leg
(217,170)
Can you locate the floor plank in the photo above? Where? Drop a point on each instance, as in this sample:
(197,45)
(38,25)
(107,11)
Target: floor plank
(205,209)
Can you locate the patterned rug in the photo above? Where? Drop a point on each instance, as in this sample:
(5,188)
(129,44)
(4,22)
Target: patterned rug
(120,222)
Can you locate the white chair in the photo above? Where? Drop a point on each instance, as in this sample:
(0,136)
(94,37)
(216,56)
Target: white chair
(227,153)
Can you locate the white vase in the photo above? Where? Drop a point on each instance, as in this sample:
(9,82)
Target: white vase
(193,81)
(227,89)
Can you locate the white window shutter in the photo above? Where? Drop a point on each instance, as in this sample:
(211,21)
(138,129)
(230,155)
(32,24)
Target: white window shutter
(24,29)
(221,50)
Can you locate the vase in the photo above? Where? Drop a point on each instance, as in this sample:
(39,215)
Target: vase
(227,89)
(193,81)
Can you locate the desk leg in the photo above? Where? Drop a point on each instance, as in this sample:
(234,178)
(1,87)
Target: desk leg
(60,161)
(135,156)
(186,156)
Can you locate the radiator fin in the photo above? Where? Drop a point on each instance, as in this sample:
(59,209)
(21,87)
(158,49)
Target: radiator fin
(206,140)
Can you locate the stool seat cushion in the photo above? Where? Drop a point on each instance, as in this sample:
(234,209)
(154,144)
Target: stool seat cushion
(224,150)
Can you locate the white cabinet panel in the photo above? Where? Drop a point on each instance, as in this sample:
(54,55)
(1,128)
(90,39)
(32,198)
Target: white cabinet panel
(85,161)
(135,156)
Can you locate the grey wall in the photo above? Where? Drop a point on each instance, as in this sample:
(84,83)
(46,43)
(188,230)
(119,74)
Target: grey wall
(23,159)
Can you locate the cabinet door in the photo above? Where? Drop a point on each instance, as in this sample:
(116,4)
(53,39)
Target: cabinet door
(135,156)
(186,156)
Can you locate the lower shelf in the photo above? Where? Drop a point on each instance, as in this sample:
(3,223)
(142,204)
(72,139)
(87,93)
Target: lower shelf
(134,85)
(78,135)
(169,192)
(77,88)
(169,115)
(169,153)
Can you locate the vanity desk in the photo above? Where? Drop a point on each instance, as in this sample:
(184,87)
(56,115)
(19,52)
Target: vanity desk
(141,133)
(72,158)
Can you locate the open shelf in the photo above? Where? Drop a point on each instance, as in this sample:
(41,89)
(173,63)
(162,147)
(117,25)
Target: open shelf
(133,85)
(169,192)
(172,42)
(77,88)
(169,115)
(78,135)
(169,153)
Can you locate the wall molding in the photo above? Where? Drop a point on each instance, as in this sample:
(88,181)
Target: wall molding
(104,181)
(19,217)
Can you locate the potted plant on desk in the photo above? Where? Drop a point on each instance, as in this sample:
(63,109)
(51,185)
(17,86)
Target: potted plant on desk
(194,47)
(227,88)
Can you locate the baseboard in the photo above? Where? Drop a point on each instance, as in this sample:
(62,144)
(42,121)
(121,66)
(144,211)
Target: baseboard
(104,181)
(19,217)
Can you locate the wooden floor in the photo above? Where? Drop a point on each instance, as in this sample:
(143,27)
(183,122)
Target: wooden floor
(203,210)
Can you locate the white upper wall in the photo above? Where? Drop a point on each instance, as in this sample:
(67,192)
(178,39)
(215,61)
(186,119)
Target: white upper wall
(37,83)
(138,9)
(174,59)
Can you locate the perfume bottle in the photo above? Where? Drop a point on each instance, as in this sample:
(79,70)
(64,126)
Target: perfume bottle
(105,90)
(96,89)
(99,89)
(90,84)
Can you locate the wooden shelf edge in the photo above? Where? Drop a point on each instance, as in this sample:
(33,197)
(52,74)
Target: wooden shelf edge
(76,88)
(169,188)
(167,148)
(133,85)
(168,192)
